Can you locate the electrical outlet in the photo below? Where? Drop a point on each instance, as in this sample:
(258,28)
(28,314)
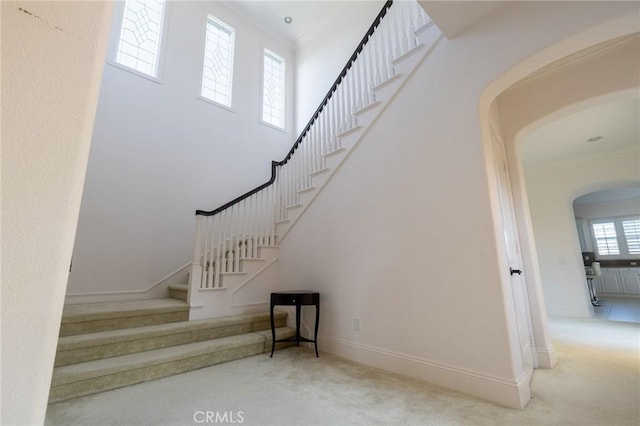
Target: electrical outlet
(356,324)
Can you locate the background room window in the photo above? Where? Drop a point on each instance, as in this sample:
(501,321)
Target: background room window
(617,236)
(139,44)
(606,238)
(217,73)
(631,229)
(273,84)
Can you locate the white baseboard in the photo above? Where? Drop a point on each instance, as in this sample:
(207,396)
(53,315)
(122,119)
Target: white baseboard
(603,295)
(570,311)
(508,392)
(546,356)
(159,289)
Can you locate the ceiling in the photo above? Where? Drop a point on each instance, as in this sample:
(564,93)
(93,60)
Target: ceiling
(306,16)
(453,17)
(567,138)
(615,122)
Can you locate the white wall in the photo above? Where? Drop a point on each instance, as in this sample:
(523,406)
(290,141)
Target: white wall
(584,82)
(325,51)
(52,55)
(552,190)
(414,256)
(159,153)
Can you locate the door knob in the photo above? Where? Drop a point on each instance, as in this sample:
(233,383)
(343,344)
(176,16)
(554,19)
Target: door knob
(515,271)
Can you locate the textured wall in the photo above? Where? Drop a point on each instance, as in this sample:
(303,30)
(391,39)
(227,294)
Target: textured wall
(52,55)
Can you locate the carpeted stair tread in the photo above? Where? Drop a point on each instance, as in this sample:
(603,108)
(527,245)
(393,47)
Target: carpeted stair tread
(103,367)
(160,330)
(106,310)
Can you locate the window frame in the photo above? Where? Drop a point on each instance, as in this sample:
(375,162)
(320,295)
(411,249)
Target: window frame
(621,237)
(207,18)
(114,44)
(283,94)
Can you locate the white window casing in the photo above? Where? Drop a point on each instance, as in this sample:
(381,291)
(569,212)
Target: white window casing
(273,90)
(141,36)
(217,68)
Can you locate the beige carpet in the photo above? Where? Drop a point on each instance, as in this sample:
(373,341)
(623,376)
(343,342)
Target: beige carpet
(596,382)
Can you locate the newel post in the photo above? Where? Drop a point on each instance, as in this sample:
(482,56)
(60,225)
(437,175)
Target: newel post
(195,276)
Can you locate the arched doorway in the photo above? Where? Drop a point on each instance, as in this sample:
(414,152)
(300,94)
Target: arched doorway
(525,106)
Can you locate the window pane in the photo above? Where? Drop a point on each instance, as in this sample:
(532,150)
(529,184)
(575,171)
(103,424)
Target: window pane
(139,44)
(273,89)
(217,71)
(606,240)
(631,230)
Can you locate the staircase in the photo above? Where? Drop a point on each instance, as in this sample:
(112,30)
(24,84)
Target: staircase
(236,245)
(105,346)
(215,317)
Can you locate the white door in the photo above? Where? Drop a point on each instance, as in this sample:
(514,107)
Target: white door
(511,241)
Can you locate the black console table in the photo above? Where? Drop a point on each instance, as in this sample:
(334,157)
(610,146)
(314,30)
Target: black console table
(297,298)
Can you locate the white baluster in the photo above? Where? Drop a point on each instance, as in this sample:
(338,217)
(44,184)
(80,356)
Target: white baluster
(230,261)
(348,106)
(236,257)
(314,142)
(218,250)
(357,66)
(371,70)
(256,231)
(377,47)
(220,245)
(272,224)
(385,33)
(407,28)
(252,231)
(208,249)
(249,228)
(241,246)
(261,217)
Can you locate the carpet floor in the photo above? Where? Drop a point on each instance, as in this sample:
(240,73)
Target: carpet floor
(596,382)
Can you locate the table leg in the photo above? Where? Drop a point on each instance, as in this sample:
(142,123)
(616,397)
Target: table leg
(298,306)
(315,333)
(273,333)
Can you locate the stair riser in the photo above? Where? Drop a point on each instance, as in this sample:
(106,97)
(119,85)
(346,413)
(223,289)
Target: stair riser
(178,294)
(91,326)
(127,378)
(101,351)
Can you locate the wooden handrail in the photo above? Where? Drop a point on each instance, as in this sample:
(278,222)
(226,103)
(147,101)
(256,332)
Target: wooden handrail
(314,117)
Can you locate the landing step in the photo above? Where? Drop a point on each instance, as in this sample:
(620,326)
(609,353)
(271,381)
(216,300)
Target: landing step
(105,344)
(92,317)
(91,377)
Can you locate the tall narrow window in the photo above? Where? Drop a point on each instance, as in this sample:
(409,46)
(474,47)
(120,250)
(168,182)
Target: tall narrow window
(606,238)
(273,84)
(631,230)
(141,34)
(217,73)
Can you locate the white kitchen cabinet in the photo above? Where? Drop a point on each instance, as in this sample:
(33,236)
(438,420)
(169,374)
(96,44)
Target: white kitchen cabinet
(629,280)
(610,280)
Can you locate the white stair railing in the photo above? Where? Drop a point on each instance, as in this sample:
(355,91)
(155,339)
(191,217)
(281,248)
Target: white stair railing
(227,235)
